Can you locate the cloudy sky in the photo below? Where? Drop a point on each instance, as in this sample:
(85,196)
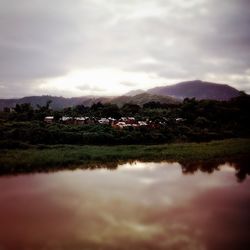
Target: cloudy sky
(108,47)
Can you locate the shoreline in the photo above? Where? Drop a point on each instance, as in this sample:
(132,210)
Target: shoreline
(53,158)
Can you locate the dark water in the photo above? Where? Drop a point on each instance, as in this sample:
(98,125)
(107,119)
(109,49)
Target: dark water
(139,206)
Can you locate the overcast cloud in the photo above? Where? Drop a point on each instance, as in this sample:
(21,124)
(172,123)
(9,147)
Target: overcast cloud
(108,47)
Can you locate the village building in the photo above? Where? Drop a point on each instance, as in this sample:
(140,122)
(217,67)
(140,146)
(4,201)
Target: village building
(104,121)
(79,120)
(67,120)
(49,119)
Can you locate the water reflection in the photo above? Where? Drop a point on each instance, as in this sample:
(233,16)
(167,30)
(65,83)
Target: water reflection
(241,166)
(138,206)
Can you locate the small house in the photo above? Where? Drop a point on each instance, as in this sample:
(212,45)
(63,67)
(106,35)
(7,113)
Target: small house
(49,119)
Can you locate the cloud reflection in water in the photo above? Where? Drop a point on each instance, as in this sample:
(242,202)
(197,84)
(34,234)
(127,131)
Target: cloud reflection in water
(138,206)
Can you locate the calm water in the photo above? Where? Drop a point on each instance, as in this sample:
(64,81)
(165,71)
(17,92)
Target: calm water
(138,206)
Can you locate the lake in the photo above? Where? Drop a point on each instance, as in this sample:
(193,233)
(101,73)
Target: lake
(132,206)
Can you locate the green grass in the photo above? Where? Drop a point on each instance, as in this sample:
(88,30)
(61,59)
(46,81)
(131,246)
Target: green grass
(49,158)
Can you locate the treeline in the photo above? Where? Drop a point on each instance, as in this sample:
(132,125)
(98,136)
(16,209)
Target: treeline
(191,120)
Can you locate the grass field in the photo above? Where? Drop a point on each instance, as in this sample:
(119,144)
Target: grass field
(52,158)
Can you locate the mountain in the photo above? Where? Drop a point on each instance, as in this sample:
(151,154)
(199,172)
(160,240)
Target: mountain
(135,92)
(61,102)
(164,94)
(198,89)
(143,98)
(57,102)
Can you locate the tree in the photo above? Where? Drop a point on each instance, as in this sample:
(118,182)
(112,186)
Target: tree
(43,111)
(130,109)
(152,105)
(111,110)
(81,109)
(23,112)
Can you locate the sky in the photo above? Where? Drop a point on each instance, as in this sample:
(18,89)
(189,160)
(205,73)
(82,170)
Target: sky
(109,47)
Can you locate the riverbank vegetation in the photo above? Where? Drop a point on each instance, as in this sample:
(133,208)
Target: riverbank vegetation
(46,158)
(189,121)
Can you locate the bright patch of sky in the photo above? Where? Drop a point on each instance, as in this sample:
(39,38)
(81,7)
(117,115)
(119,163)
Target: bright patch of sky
(109,47)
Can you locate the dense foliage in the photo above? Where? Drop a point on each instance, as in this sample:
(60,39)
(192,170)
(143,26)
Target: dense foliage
(191,120)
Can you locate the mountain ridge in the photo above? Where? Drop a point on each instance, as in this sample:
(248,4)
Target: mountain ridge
(197,89)
(165,94)
(143,98)
(62,102)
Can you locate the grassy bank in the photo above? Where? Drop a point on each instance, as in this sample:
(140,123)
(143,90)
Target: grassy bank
(67,156)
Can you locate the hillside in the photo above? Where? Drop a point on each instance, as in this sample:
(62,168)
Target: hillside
(164,94)
(198,89)
(143,98)
(61,102)
(57,102)
(135,92)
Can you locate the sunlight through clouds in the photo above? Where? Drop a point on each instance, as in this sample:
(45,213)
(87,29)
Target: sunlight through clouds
(99,82)
(94,46)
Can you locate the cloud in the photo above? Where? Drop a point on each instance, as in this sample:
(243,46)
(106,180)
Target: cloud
(89,87)
(128,84)
(169,39)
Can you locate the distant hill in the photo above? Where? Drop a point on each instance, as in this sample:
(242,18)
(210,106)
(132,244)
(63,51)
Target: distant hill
(62,102)
(198,89)
(57,102)
(164,94)
(135,92)
(143,98)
